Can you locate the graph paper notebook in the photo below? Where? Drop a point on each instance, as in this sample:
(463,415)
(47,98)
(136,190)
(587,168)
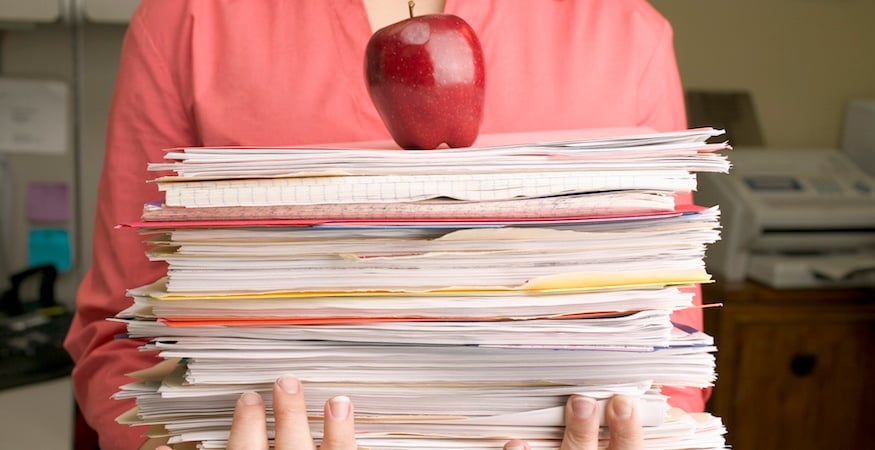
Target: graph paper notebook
(228,177)
(410,188)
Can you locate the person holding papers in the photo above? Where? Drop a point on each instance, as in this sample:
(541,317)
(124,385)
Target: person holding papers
(274,72)
(293,432)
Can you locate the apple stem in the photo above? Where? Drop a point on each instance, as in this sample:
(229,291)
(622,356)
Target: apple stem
(410,6)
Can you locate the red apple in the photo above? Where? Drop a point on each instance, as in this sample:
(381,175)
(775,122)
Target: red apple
(427,79)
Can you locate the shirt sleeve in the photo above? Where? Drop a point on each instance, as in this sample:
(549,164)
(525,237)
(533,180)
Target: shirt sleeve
(146,115)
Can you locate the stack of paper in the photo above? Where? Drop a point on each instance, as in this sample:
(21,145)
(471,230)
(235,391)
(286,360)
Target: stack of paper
(457,296)
(572,178)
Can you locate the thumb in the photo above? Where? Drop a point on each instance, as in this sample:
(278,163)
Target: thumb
(581,424)
(624,423)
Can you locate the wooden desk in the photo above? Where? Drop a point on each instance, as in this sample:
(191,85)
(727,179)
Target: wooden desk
(796,368)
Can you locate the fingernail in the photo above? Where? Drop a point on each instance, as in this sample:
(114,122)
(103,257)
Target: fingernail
(290,385)
(622,406)
(340,407)
(583,407)
(250,399)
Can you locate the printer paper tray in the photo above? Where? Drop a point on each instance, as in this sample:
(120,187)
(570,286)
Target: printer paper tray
(814,271)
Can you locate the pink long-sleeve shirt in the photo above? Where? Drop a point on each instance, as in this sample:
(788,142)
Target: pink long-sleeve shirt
(279,72)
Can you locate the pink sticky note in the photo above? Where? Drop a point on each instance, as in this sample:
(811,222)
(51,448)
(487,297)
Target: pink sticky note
(47,202)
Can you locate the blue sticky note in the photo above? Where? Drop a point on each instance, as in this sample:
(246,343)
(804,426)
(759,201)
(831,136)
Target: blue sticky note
(49,246)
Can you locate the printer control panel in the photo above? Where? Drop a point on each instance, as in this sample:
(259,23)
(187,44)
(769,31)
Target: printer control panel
(806,174)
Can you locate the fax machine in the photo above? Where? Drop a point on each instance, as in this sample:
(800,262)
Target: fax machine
(792,219)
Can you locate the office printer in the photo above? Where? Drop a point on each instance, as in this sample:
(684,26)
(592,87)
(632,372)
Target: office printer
(792,218)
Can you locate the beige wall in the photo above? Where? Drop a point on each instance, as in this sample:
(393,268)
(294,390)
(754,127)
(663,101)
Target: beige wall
(801,59)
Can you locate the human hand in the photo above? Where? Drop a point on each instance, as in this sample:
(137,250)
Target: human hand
(249,430)
(292,429)
(582,425)
(249,424)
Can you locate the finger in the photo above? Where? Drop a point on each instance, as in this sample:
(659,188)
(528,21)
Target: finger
(339,431)
(248,428)
(155,444)
(624,423)
(581,424)
(516,444)
(290,413)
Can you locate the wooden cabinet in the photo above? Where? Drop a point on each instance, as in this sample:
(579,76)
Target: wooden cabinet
(796,368)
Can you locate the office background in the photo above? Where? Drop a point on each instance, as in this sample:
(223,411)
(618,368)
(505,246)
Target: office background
(801,61)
